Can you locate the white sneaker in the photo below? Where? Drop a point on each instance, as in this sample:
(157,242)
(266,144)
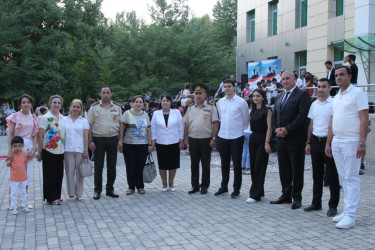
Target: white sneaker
(172,189)
(25,209)
(346,222)
(250,200)
(14,211)
(164,189)
(337,218)
(29,206)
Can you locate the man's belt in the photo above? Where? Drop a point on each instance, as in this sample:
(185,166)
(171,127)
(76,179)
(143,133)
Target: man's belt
(319,138)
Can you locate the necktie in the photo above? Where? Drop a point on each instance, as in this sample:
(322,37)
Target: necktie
(284,101)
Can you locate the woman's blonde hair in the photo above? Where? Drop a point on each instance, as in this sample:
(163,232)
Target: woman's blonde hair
(80,103)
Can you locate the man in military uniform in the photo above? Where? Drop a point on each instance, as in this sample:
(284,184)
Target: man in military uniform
(201,126)
(104,118)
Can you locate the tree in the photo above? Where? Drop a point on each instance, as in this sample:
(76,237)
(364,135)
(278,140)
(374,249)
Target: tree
(225,21)
(169,14)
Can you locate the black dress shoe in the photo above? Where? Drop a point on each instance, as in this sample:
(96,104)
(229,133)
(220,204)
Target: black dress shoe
(203,191)
(296,205)
(313,207)
(194,190)
(112,194)
(331,212)
(221,191)
(96,196)
(235,194)
(282,200)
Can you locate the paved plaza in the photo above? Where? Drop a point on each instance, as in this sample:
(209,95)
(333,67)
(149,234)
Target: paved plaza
(177,220)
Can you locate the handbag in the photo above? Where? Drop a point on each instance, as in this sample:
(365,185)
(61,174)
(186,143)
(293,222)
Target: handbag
(85,169)
(149,171)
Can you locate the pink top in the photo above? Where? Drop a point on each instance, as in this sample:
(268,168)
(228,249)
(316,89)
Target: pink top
(26,125)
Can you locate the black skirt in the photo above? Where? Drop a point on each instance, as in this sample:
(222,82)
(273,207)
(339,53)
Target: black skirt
(168,156)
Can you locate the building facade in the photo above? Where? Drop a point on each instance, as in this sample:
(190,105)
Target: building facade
(306,33)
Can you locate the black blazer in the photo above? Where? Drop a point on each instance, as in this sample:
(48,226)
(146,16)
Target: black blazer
(293,116)
(332,81)
(332,78)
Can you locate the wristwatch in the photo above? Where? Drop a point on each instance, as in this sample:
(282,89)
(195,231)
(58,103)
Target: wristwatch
(362,144)
(213,138)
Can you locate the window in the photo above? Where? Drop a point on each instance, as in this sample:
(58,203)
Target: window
(272,29)
(338,56)
(250,29)
(339,6)
(272,57)
(302,61)
(303,13)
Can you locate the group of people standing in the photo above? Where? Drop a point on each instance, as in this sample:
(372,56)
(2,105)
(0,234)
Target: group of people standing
(107,130)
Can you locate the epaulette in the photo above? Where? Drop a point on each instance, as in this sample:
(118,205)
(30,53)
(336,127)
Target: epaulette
(95,103)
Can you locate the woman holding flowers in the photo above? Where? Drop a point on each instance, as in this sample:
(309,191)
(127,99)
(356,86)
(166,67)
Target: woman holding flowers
(51,150)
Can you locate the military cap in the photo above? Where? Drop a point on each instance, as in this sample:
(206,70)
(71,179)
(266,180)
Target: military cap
(200,87)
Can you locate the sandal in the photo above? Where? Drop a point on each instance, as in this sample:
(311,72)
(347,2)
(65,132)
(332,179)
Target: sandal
(71,198)
(81,200)
(141,191)
(129,192)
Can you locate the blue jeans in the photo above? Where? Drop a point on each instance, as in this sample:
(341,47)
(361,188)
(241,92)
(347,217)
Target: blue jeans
(245,153)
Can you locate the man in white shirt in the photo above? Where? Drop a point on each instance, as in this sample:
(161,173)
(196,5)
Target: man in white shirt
(348,132)
(320,115)
(234,118)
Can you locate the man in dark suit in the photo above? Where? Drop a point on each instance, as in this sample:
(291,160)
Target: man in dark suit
(289,121)
(331,77)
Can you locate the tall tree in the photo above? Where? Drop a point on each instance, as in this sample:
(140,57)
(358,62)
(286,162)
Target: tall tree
(225,21)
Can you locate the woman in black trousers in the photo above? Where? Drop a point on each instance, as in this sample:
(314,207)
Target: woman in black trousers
(259,146)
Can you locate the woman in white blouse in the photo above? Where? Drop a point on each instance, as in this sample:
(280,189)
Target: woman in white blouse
(167,131)
(76,148)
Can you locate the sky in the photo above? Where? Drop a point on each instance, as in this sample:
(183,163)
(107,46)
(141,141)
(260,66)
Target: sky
(111,7)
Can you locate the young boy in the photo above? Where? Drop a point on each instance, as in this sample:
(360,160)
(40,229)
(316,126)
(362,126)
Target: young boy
(18,176)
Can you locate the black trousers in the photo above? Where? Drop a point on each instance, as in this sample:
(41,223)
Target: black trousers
(231,148)
(319,159)
(258,163)
(53,173)
(135,158)
(105,145)
(200,151)
(291,167)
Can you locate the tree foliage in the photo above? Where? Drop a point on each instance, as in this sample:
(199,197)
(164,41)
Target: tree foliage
(67,47)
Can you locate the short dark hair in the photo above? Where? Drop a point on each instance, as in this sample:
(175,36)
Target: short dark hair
(325,80)
(229,81)
(168,98)
(106,86)
(352,57)
(328,62)
(42,102)
(346,68)
(274,79)
(27,97)
(16,139)
(42,110)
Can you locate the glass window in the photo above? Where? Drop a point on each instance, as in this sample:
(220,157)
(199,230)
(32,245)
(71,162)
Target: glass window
(250,29)
(302,61)
(252,26)
(274,18)
(339,7)
(338,56)
(303,11)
